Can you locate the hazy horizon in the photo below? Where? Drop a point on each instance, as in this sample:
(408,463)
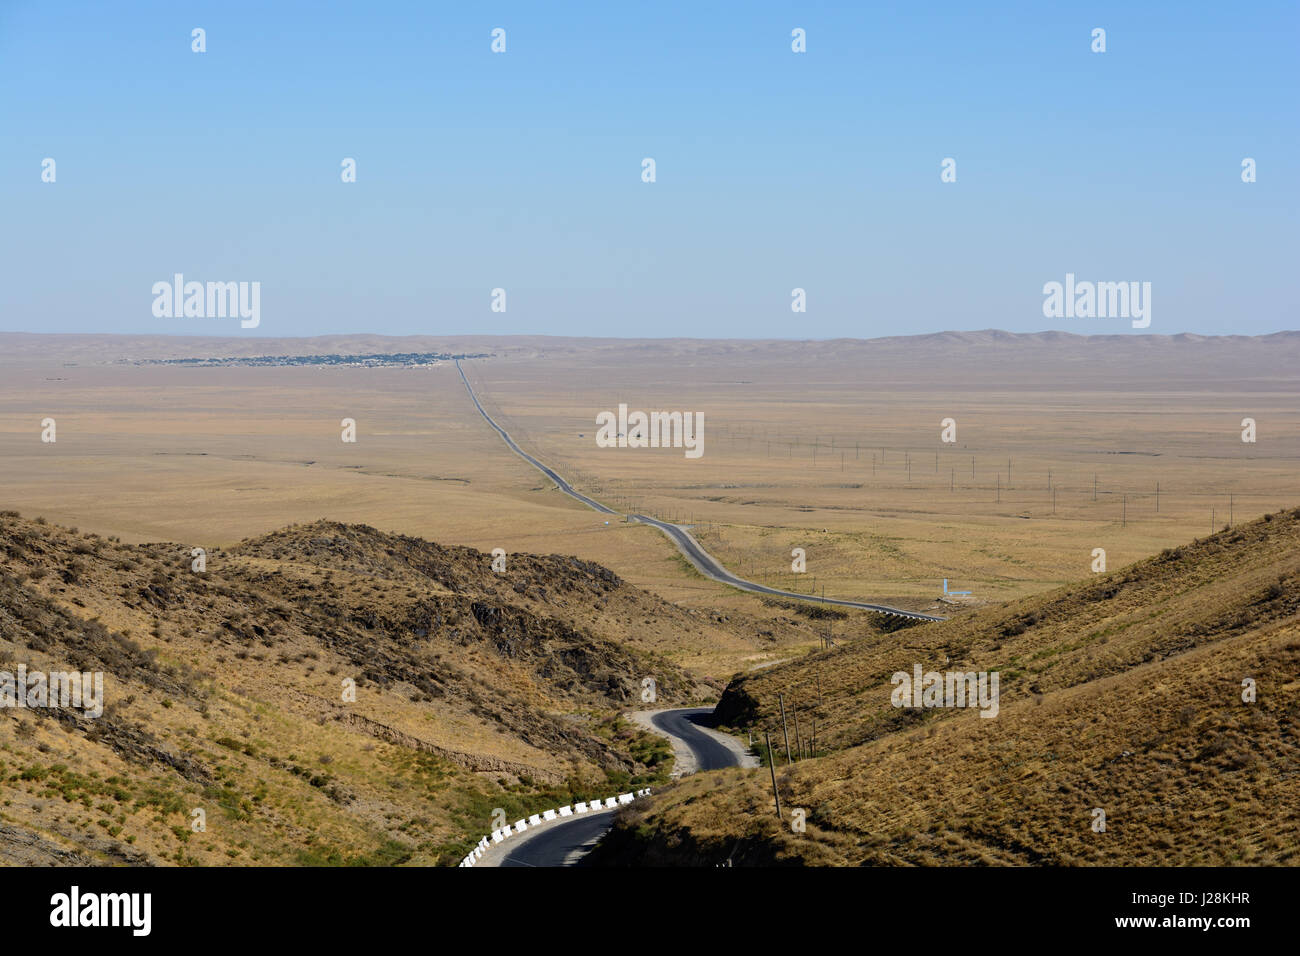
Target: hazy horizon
(262,336)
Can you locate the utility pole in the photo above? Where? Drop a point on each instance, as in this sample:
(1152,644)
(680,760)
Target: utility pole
(1123,522)
(785,729)
(999,488)
(1094,486)
(1157,497)
(797,738)
(771,766)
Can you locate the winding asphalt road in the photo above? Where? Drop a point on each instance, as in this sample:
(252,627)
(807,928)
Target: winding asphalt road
(704,562)
(709,754)
(563,844)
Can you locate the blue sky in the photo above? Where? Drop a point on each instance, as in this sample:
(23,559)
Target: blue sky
(522,170)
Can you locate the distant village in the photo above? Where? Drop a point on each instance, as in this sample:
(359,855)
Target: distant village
(386,360)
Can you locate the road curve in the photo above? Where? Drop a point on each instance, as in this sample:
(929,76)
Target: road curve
(703,562)
(709,754)
(563,844)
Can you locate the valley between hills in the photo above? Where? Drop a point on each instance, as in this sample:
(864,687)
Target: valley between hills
(347,680)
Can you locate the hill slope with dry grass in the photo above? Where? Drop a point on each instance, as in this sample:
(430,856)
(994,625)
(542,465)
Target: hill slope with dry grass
(1124,694)
(225,692)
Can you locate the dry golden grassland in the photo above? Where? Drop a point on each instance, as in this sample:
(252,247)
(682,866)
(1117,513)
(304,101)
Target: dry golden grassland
(1107,697)
(224,692)
(212,455)
(1037,417)
(1123,694)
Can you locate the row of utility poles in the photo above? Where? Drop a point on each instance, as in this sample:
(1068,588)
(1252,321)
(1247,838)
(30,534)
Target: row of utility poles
(804,747)
(673,516)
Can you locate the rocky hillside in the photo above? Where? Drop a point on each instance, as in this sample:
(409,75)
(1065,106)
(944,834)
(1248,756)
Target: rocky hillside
(325,693)
(1122,695)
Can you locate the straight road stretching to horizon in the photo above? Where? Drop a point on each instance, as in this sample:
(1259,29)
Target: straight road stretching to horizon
(703,562)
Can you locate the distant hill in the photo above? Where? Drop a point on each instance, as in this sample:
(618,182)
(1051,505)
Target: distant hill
(224,689)
(1123,694)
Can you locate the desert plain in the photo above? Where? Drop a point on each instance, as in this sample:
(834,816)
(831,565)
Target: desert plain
(1063,444)
(477,692)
